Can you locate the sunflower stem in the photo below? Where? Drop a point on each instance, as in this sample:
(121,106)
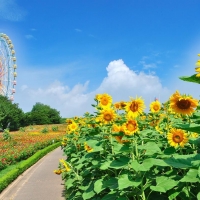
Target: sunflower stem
(136,149)
(111,142)
(143,194)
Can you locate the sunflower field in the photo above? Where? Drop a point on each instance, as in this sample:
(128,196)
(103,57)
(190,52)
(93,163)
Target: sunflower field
(120,152)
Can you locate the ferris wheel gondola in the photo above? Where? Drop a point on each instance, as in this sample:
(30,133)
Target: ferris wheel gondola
(8,67)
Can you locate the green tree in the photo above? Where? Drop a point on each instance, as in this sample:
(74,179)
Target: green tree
(44,114)
(10,114)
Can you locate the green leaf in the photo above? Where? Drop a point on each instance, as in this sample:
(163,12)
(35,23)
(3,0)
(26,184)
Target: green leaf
(192,78)
(199,172)
(79,166)
(110,195)
(173,194)
(123,198)
(120,162)
(96,145)
(183,161)
(125,181)
(89,192)
(150,148)
(111,183)
(69,182)
(178,163)
(125,148)
(105,165)
(169,151)
(198,196)
(191,176)
(189,127)
(145,166)
(146,131)
(164,184)
(159,162)
(98,186)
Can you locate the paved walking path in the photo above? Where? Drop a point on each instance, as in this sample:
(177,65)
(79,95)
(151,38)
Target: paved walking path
(38,182)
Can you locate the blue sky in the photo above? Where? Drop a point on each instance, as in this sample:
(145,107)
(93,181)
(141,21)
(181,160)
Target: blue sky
(68,51)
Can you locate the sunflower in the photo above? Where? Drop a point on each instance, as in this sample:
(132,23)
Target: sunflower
(117,106)
(130,127)
(88,148)
(198,63)
(107,116)
(68,121)
(58,171)
(72,127)
(155,106)
(183,104)
(119,139)
(105,100)
(67,168)
(122,105)
(177,137)
(135,107)
(116,128)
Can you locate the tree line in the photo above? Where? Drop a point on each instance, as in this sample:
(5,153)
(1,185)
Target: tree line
(12,115)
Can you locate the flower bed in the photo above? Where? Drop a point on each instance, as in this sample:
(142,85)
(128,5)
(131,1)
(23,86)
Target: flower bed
(22,144)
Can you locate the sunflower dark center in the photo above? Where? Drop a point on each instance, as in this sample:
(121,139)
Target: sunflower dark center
(183,104)
(134,107)
(107,117)
(177,138)
(104,101)
(131,127)
(123,104)
(156,107)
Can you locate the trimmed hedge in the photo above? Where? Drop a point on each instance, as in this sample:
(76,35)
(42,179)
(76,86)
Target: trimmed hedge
(9,174)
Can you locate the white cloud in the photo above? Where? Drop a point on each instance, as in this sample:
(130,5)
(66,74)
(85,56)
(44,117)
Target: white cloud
(9,10)
(78,30)
(23,87)
(120,82)
(147,66)
(29,37)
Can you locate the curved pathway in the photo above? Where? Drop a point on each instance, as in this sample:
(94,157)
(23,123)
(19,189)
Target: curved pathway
(38,182)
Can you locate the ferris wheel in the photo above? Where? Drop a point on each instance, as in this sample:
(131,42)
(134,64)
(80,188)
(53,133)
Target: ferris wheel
(8,67)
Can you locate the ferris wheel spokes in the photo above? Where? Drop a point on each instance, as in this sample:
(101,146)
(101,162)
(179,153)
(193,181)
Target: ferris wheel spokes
(8,67)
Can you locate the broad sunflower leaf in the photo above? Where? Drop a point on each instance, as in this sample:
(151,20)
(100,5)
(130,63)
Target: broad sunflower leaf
(125,181)
(198,196)
(189,127)
(98,186)
(110,195)
(95,145)
(192,78)
(191,176)
(164,184)
(159,162)
(169,151)
(183,161)
(89,192)
(150,148)
(199,172)
(105,165)
(178,163)
(111,183)
(120,162)
(145,166)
